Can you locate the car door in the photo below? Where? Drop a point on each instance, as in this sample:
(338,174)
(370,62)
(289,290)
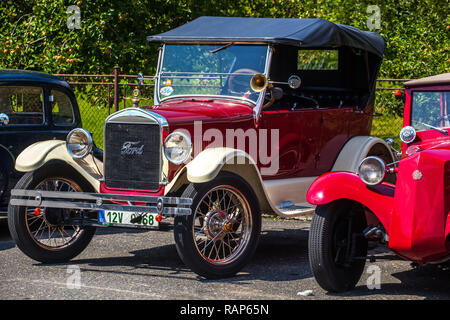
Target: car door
(299,136)
(27,121)
(334,134)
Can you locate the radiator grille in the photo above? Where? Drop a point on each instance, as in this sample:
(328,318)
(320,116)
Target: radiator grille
(132,156)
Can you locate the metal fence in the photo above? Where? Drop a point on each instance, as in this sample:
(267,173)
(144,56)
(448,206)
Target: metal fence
(99,95)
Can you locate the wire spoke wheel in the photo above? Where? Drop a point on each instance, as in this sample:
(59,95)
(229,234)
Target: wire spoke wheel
(222,225)
(221,234)
(46,225)
(46,234)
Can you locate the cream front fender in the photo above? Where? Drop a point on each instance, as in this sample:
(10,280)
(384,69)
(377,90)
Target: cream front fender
(207,164)
(40,153)
(210,162)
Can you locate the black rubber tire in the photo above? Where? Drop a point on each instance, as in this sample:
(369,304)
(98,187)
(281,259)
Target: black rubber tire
(184,238)
(332,276)
(17,225)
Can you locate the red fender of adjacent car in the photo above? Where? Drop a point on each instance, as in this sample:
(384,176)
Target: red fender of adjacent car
(346,185)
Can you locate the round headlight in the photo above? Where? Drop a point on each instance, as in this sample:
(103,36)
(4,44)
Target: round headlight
(177,147)
(79,143)
(408,134)
(372,170)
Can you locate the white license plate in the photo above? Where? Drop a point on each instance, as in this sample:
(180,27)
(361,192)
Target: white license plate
(124,218)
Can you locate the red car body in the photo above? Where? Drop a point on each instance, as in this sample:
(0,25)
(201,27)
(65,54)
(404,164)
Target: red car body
(310,140)
(415,211)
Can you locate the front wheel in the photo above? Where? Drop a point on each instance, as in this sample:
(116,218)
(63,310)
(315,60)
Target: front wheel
(41,233)
(337,246)
(220,236)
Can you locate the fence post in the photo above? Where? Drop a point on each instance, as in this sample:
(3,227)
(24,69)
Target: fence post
(116,88)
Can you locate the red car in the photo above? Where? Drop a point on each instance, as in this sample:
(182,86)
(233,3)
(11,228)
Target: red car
(411,217)
(247,114)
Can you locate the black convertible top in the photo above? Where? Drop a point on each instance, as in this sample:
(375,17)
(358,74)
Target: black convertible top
(312,33)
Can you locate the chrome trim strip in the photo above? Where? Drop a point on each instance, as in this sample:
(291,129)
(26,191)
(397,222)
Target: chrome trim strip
(158,73)
(101,196)
(94,201)
(157,76)
(138,113)
(161,61)
(260,102)
(92,206)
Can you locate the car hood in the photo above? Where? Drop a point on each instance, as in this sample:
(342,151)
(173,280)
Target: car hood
(186,111)
(427,140)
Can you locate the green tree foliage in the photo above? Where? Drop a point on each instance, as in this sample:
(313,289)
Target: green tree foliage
(34,33)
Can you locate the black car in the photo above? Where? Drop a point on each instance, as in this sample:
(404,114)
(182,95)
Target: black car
(34,106)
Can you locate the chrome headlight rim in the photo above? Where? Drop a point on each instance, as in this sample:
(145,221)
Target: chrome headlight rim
(412,133)
(382,170)
(188,151)
(87,150)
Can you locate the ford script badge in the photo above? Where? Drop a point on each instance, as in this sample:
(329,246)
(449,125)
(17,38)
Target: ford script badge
(132,148)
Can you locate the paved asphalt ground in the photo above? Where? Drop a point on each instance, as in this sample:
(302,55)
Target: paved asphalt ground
(124,264)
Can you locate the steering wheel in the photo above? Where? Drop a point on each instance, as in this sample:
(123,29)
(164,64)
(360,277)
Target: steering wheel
(237,85)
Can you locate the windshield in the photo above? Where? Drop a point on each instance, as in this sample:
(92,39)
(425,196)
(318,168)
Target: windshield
(430,109)
(211,70)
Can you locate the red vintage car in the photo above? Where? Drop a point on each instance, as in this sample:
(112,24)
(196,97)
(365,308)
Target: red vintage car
(411,217)
(247,114)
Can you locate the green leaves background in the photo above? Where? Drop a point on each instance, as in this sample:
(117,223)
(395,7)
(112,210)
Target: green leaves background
(34,33)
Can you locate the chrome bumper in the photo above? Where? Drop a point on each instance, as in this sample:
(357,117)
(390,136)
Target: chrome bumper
(166,206)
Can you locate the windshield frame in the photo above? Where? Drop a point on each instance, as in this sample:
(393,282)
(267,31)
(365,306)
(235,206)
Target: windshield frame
(412,92)
(250,102)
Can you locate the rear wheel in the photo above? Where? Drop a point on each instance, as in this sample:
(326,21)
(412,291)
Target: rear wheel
(220,236)
(41,233)
(337,247)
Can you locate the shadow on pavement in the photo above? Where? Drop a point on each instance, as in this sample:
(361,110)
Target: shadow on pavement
(430,282)
(281,256)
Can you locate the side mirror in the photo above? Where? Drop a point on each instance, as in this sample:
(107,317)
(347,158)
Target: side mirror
(294,82)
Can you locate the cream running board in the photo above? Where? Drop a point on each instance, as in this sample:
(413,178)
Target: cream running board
(287,197)
(289,209)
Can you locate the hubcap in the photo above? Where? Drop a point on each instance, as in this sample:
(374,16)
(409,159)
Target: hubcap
(214,225)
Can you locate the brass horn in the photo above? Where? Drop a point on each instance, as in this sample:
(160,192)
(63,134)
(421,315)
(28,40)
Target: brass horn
(259,82)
